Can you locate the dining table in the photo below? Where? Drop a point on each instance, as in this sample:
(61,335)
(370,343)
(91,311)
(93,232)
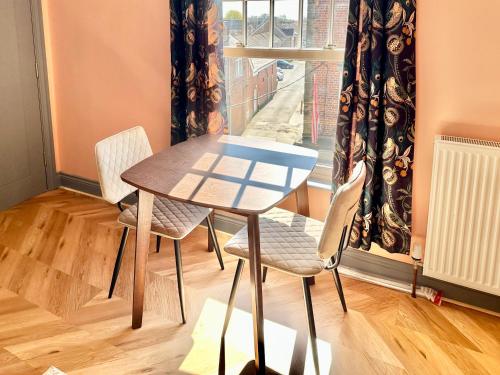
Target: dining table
(241,175)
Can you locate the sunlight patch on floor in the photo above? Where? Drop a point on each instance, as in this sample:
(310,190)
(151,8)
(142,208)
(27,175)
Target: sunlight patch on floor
(203,357)
(324,357)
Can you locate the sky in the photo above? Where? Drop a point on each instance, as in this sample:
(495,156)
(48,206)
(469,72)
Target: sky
(288,8)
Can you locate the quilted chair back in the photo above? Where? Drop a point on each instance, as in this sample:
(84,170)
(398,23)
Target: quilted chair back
(116,154)
(340,216)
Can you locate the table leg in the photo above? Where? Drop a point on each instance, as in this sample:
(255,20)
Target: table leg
(144,214)
(256,287)
(210,243)
(302,199)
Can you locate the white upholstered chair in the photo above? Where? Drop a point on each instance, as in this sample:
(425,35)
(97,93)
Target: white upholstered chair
(302,246)
(171,219)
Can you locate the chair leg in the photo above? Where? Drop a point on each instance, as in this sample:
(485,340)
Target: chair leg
(158,243)
(310,320)
(210,243)
(180,281)
(118,261)
(230,304)
(213,235)
(338,284)
(264,274)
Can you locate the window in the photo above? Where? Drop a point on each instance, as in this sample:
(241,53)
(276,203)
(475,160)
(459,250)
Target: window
(238,71)
(283,63)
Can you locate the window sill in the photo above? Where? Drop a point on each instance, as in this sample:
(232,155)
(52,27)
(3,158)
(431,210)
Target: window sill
(321,177)
(334,54)
(321,185)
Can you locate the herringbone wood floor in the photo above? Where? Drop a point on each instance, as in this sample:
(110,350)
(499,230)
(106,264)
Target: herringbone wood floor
(56,257)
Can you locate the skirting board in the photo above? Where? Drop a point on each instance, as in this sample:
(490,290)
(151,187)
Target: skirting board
(363,262)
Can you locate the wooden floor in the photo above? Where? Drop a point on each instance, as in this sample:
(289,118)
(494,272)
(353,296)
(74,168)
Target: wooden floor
(56,258)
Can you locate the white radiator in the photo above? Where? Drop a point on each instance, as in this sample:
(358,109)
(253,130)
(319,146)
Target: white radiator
(463,231)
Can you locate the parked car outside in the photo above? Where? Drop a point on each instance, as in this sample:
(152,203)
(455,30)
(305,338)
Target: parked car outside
(280,75)
(284,64)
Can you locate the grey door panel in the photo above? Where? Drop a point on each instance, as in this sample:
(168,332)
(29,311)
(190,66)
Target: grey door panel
(22,167)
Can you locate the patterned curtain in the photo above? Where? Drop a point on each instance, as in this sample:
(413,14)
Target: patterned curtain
(198,93)
(377,119)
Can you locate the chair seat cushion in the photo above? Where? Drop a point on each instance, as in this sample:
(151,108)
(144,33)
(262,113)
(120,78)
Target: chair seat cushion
(288,242)
(171,219)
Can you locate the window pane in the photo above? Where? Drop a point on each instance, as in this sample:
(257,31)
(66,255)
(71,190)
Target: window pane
(233,22)
(258,23)
(288,103)
(316,23)
(286,24)
(340,16)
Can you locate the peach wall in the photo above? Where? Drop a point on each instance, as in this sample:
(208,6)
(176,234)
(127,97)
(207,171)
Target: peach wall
(109,69)
(458,80)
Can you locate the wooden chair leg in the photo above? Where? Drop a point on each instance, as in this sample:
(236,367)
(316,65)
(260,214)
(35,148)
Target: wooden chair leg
(264,274)
(118,261)
(180,280)
(310,320)
(338,284)
(230,304)
(158,243)
(215,243)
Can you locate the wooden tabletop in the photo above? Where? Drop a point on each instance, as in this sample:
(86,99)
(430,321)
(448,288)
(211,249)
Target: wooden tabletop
(231,173)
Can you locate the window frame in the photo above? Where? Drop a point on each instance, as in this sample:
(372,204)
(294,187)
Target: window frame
(238,73)
(329,53)
(303,54)
(329,43)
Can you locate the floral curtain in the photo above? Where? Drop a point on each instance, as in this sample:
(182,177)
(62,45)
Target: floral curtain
(377,119)
(198,93)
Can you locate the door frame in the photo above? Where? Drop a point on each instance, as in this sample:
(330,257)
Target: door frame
(52,177)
